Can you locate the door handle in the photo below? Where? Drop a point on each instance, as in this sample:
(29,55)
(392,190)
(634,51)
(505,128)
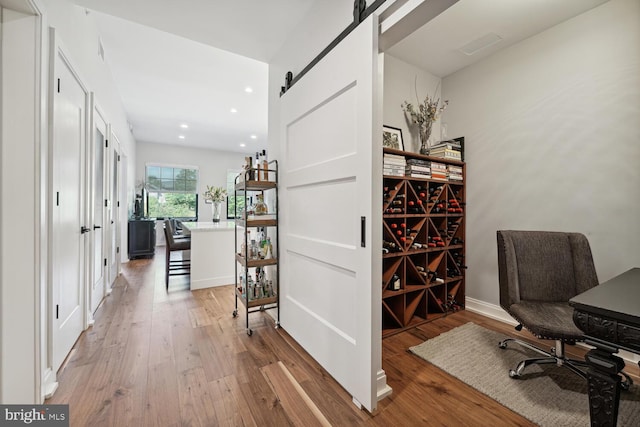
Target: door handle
(84,229)
(96,226)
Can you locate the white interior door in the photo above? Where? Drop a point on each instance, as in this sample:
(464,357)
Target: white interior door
(69,138)
(114,218)
(98,211)
(331,273)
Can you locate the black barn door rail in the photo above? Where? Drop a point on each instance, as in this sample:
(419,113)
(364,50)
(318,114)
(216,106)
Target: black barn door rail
(360,13)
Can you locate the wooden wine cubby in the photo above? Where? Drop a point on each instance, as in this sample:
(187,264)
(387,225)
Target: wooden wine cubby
(432,276)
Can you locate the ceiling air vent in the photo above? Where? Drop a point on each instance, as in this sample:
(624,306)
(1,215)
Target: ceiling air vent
(480,43)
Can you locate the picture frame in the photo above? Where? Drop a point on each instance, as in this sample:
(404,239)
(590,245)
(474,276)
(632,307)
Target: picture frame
(392,138)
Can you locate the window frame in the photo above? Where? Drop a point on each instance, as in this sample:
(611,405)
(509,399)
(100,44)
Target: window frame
(161,192)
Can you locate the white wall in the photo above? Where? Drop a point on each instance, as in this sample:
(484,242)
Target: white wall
(401,83)
(26,375)
(213,166)
(19,209)
(79,35)
(553,140)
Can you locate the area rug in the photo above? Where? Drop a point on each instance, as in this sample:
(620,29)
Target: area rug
(546,395)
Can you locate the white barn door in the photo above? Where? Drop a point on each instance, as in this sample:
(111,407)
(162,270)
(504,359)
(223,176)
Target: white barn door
(331,273)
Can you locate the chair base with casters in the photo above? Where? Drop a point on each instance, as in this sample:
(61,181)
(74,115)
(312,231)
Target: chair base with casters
(556,356)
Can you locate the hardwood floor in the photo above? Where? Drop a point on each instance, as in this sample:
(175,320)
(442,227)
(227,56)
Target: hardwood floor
(179,358)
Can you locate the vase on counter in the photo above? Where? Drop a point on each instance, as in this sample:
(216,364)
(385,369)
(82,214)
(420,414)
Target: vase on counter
(215,209)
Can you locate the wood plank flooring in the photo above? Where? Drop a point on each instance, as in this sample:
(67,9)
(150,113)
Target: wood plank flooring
(178,358)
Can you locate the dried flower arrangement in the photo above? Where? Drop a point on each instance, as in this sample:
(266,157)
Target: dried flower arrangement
(428,112)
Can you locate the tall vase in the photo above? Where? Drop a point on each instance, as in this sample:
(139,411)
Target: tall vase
(425,134)
(215,209)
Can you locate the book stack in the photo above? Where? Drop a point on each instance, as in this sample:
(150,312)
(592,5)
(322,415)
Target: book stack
(455,173)
(447,150)
(418,168)
(393,164)
(438,171)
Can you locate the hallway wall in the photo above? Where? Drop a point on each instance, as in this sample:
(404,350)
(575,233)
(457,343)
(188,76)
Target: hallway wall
(19,208)
(25,375)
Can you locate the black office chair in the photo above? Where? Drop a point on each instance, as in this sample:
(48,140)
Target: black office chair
(539,271)
(176,267)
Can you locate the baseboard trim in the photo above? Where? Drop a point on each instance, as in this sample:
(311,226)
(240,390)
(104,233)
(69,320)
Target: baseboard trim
(383,388)
(49,383)
(496,312)
(489,310)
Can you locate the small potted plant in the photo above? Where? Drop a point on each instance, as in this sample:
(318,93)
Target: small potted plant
(215,195)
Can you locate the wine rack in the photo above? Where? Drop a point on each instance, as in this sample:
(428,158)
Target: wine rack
(423,259)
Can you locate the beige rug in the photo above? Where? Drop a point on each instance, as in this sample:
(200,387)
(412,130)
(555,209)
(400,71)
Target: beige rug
(546,395)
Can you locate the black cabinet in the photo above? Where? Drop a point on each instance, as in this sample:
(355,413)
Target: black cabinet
(142,238)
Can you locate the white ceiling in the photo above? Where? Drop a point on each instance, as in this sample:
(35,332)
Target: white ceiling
(166,81)
(436,46)
(253,28)
(190,61)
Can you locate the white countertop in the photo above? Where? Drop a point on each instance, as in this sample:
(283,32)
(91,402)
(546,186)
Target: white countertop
(196,227)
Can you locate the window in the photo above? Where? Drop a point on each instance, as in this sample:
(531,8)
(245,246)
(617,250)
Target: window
(172,192)
(232,203)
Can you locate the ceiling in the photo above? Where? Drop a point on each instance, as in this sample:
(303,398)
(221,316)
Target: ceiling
(166,81)
(435,47)
(189,62)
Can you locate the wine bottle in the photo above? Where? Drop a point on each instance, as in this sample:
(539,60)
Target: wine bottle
(265,166)
(257,167)
(391,246)
(394,285)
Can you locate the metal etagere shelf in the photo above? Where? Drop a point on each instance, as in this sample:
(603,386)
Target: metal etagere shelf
(255,295)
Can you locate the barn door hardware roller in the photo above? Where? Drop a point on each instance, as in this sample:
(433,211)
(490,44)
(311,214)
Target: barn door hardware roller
(360,13)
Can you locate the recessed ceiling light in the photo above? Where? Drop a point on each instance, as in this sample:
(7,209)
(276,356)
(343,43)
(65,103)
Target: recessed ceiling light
(248,89)
(181,136)
(243,145)
(184,126)
(233,110)
(254,136)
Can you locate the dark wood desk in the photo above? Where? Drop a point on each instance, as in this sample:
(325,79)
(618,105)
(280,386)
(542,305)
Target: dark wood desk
(609,315)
